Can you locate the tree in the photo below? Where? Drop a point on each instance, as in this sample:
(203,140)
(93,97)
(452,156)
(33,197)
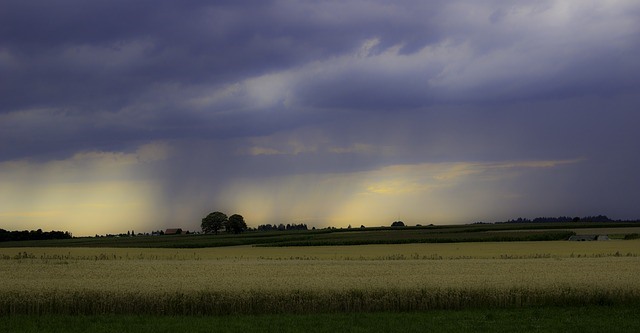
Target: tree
(236,223)
(213,222)
(397,224)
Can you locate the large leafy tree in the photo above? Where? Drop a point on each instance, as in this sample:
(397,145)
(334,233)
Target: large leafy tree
(236,223)
(397,224)
(214,222)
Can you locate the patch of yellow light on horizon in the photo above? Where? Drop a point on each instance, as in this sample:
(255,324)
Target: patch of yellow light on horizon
(62,202)
(88,192)
(403,179)
(31,214)
(419,177)
(425,191)
(84,208)
(407,188)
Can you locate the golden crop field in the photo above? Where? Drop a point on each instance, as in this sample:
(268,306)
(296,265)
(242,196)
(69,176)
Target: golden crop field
(310,279)
(479,250)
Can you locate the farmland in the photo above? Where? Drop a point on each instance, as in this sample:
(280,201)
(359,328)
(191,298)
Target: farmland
(508,232)
(417,279)
(250,280)
(470,250)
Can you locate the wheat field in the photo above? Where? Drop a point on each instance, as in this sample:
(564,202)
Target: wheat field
(317,279)
(480,250)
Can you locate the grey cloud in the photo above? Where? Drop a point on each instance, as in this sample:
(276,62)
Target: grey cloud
(187,43)
(323,87)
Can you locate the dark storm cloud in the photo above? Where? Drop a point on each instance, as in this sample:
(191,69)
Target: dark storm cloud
(82,58)
(104,72)
(88,52)
(244,90)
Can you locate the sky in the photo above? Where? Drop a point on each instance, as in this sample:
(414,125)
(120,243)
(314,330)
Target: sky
(143,115)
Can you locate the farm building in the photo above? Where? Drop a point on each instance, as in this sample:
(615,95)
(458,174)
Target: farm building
(173,231)
(584,238)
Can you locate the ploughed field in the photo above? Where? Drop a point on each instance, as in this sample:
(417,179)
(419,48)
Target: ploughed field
(319,279)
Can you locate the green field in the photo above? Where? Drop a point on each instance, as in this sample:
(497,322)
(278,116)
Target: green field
(472,284)
(433,251)
(581,319)
(507,232)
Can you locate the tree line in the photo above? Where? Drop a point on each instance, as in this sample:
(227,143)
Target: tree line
(598,218)
(282,227)
(216,221)
(6,236)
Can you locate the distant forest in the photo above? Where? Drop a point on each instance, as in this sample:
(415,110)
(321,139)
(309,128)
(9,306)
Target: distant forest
(273,227)
(6,236)
(598,218)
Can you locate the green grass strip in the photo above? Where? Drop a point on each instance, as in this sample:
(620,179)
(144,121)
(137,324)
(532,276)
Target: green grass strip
(539,319)
(303,302)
